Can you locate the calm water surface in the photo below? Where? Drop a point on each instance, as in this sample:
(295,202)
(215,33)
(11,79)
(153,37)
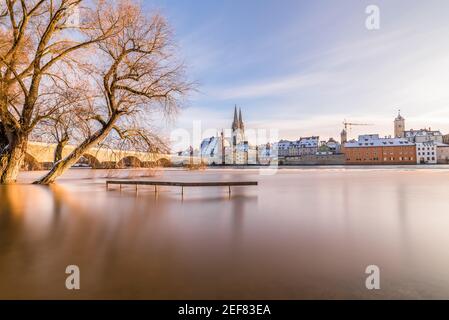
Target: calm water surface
(302,233)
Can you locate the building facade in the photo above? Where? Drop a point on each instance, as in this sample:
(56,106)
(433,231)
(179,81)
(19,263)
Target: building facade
(302,147)
(426,152)
(371,149)
(308,145)
(446,139)
(443,154)
(424,135)
(283,147)
(329,147)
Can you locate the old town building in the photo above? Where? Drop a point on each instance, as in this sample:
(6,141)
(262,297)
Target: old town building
(426,152)
(424,135)
(443,153)
(371,149)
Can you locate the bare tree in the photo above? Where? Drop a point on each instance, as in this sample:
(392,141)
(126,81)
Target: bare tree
(138,73)
(68,122)
(37,46)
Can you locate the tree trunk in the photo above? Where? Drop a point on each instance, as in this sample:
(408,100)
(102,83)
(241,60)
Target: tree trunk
(3,137)
(13,158)
(60,167)
(3,148)
(59,148)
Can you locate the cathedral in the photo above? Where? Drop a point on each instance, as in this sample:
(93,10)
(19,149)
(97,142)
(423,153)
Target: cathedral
(238,128)
(228,150)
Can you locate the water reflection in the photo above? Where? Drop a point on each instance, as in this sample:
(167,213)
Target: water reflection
(300,234)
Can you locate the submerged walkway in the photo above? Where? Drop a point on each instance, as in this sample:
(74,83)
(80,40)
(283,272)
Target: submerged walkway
(136,183)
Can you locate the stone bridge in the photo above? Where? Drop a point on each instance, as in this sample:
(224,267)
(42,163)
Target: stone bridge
(41,155)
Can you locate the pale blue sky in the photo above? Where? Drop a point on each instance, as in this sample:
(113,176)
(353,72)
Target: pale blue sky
(304,66)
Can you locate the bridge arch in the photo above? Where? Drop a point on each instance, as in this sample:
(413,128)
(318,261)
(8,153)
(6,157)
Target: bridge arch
(149,164)
(130,161)
(88,159)
(163,162)
(30,163)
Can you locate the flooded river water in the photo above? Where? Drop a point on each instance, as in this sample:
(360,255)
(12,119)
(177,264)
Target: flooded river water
(301,233)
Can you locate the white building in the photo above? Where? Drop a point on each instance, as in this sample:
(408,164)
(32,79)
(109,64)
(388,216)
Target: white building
(283,147)
(432,152)
(308,145)
(303,146)
(426,152)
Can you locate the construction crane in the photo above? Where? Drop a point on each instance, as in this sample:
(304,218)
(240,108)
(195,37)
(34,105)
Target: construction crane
(350,124)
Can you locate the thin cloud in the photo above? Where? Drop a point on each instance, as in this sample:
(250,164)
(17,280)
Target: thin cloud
(268,87)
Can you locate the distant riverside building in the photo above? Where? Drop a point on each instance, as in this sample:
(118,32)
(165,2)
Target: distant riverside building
(443,154)
(308,145)
(309,151)
(328,147)
(302,147)
(446,139)
(371,149)
(417,136)
(424,135)
(283,147)
(426,152)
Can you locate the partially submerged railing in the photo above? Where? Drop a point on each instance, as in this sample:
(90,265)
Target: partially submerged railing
(181,184)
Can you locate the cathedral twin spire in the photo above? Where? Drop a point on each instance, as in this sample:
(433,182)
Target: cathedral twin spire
(238,121)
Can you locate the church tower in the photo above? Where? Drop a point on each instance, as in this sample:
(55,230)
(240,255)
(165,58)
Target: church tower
(238,136)
(343,137)
(399,126)
(235,123)
(242,126)
(343,140)
(235,128)
(238,128)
